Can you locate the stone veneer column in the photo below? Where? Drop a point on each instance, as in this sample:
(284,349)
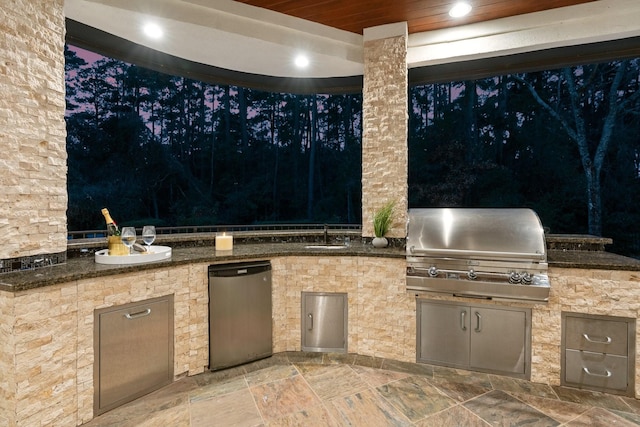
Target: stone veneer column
(385,125)
(33,176)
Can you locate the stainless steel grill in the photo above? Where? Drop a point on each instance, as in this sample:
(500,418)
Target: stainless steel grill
(484,253)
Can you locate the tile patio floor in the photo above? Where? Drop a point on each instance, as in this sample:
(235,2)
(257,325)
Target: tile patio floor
(316,389)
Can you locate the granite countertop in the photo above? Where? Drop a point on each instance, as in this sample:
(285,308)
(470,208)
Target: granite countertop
(591,259)
(83,267)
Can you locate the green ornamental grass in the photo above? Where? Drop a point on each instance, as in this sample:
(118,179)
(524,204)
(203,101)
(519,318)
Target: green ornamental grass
(382,219)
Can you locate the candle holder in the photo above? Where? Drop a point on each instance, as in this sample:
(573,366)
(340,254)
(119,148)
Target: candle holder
(224,242)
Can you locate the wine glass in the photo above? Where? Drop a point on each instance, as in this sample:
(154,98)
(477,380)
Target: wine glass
(128,236)
(148,235)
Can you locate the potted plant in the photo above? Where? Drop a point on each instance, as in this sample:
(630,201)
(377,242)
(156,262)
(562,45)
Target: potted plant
(381,224)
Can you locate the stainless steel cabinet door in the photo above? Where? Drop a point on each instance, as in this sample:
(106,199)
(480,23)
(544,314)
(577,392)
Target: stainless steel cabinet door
(473,337)
(135,351)
(324,322)
(443,334)
(498,339)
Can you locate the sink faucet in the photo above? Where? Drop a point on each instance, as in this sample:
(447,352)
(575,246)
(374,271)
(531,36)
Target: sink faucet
(326,234)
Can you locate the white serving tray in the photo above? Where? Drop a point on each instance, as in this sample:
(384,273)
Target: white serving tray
(156,253)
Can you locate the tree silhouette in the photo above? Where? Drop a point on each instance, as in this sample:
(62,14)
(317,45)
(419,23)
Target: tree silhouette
(587,104)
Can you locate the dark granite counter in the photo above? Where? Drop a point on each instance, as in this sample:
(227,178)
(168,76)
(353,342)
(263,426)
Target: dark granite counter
(84,267)
(592,260)
(82,264)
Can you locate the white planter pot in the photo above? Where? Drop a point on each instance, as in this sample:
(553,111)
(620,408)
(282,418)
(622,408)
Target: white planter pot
(379,242)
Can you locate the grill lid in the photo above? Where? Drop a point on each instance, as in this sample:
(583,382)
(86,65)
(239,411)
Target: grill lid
(488,253)
(476,233)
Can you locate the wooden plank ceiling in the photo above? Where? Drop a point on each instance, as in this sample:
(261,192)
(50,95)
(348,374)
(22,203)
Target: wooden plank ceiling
(421,15)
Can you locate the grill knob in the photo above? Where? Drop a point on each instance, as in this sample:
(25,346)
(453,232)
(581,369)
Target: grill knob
(514,277)
(526,278)
(433,272)
(472,275)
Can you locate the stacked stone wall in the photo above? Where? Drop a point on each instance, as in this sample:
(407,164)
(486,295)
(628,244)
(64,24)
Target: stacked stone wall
(47,357)
(384,132)
(599,292)
(50,379)
(33,176)
(381,315)
(7,371)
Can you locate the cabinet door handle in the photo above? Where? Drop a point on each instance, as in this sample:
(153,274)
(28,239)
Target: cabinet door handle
(463,322)
(139,314)
(310,322)
(607,340)
(479,324)
(607,373)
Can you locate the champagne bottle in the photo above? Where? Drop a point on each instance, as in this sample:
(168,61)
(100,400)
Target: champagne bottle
(112,228)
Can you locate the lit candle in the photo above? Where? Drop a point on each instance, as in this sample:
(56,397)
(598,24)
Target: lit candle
(224,243)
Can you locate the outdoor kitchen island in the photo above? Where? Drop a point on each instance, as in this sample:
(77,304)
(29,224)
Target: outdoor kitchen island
(47,315)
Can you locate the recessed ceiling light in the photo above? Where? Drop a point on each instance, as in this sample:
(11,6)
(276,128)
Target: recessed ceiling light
(460,9)
(301,61)
(152,30)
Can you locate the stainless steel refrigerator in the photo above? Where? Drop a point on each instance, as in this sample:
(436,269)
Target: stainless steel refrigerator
(240,320)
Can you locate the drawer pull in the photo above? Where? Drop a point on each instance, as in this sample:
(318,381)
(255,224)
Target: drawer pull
(607,373)
(139,314)
(605,341)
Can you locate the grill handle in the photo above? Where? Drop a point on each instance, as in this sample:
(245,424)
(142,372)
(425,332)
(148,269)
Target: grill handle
(477,254)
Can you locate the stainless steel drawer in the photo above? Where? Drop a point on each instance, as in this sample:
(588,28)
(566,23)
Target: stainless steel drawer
(596,370)
(599,336)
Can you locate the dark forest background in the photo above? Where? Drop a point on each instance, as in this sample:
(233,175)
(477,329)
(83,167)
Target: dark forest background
(170,151)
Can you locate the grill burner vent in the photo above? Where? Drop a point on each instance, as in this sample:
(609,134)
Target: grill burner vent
(484,253)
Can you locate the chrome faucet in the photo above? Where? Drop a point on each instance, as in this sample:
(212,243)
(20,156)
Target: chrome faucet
(326,234)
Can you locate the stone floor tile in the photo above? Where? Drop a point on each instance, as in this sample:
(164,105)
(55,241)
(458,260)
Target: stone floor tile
(366,409)
(329,382)
(283,397)
(501,409)
(410,368)
(591,398)
(415,397)
(232,409)
(516,385)
(218,389)
(559,410)
(376,377)
(272,373)
(328,390)
(315,416)
(600,417)
(457,416)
